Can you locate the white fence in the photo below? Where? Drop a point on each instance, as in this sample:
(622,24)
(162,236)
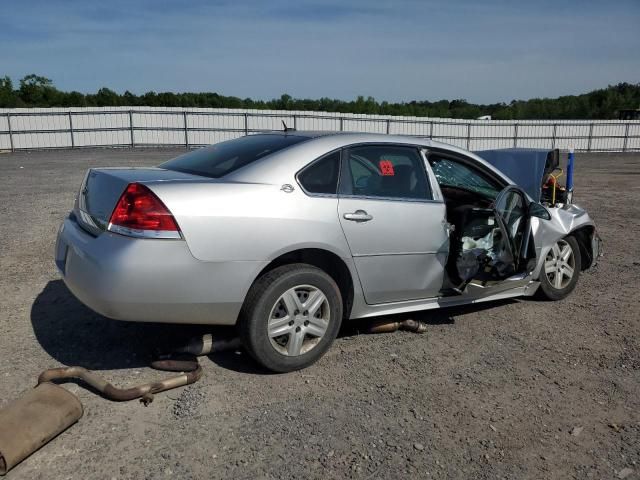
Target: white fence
(26,129)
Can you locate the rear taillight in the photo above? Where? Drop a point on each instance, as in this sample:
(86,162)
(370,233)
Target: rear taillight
(140,213)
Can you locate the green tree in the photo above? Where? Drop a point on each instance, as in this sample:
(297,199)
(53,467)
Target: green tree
(107,98)
(37,91)
(8,98)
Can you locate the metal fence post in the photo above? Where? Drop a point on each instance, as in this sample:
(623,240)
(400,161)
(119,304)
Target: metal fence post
(246,124)
(73,142)
(388,126)
(468,135)
(295,122)
(515,135)
(10,132)
(133,143)
(341,124)
(590,137)
(186,130)
(626,138)
(553,136)
(431,129)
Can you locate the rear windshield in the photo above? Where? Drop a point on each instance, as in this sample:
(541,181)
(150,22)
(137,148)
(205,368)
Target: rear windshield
(223,158)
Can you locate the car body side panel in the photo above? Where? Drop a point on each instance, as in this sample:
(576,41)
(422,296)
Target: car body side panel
(474,295)
(400,253)
(256,222)
(251,222)
(388,278)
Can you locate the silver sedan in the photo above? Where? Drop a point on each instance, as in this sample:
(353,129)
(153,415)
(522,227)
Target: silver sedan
(288,234)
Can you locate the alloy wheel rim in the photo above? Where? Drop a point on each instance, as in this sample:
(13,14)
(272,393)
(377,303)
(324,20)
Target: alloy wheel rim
(560,264)
(298,320)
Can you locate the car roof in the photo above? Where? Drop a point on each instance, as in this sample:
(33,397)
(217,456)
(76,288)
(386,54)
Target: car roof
(350,137)
(291,159)
(369,137)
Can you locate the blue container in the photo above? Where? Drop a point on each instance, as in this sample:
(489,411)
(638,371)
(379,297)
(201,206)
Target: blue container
(570,172)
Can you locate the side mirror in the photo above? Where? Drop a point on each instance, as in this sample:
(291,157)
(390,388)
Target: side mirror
(537,210)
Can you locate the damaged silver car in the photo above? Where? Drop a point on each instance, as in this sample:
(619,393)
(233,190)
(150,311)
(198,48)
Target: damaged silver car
(288,234)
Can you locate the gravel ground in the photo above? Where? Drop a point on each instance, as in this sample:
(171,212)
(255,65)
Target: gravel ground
(512,389)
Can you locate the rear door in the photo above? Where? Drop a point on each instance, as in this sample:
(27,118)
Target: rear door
(395,229)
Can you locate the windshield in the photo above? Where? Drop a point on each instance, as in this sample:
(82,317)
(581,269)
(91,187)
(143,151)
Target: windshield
(450,173)
(223,158)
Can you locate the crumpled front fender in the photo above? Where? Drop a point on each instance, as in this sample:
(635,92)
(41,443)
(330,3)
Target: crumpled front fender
(564,221)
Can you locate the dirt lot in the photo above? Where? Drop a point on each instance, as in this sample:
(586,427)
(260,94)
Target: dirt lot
(491,391)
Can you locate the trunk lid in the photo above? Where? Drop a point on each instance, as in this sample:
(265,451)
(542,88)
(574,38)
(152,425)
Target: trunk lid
(102,187)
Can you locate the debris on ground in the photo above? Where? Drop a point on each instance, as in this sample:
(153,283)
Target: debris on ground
(576,431)
(189,402)
(625,472)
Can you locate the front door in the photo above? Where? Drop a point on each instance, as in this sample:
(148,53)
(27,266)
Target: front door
(396,231)
(512,211)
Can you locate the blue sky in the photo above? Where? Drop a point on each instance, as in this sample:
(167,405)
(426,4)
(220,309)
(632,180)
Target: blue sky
(484,51)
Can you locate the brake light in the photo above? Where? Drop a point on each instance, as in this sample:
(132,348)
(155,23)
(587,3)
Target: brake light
(140,213)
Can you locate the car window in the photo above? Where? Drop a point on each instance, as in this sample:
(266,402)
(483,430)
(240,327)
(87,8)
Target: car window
(386,171)
(512,208)
(451,173)
(322,175)
(225,157)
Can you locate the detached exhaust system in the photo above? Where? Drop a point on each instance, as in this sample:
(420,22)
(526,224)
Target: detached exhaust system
(30,422)
(41,414)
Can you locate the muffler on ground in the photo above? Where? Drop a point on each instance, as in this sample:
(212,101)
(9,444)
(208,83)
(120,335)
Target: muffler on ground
(29,422)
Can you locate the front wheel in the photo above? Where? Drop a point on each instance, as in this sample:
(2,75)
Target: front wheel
(561,270)
(290,317)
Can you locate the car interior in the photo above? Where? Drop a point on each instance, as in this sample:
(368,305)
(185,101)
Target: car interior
(484,247)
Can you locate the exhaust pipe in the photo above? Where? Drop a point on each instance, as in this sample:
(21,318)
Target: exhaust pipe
(386,326)
(28,423)
(145,391)
(206,344)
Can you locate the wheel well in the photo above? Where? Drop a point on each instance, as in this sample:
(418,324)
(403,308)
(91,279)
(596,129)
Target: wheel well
(325,260)
(583,236)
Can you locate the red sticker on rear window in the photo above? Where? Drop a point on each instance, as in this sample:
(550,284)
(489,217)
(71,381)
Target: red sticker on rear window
(386,167)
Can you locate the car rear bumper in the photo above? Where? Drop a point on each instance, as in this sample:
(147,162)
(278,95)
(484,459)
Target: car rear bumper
(149,280)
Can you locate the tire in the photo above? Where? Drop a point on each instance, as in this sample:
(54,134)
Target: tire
(555,281)
(290,317)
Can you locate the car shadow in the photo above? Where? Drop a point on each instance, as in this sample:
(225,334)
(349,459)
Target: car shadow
(72,334)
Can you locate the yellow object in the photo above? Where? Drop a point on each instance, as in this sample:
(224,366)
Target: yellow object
(555,184)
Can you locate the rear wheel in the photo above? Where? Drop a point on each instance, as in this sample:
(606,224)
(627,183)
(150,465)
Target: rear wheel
(291,316)
(561,270)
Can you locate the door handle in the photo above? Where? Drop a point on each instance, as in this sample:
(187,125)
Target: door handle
(358,216)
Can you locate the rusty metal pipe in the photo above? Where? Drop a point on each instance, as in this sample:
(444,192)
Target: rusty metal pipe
(144,391)
(28,423)
(206,344)
(386,326)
